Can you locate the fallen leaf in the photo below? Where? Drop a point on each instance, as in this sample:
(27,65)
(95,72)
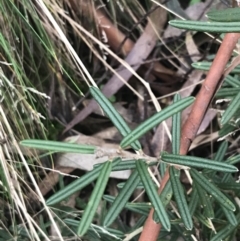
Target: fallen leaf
(104,152)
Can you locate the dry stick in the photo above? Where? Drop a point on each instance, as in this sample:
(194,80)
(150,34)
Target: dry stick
(140,50)
(209,87)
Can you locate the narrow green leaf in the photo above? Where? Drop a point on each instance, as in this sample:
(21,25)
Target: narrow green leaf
(215,27)
(227,92)
(138,225)
(142,208)
(224,233)
(221,151)
(162,168)
(230,216)
(224,15)
(176,128)
(59,146)
(207,65)
(192,2)
(231,110)
(205,202)
(219,156)
(165,196)
(230,80)
(139,186)
(211,189)
(227,177)
(122,198)
(226,130)
(113,115)
(192,161)
(95,198)
(78,184)
(180,198)
(128,164)
(233,160)
(152,194)
(203,219)
(155,120)
(193,201)
(117,234)
(229,186)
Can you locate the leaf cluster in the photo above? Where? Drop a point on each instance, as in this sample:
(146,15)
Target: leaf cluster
(206,203)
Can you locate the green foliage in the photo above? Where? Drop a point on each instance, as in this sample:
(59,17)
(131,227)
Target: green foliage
(197,162)
(95,198)
(155,120)
(153,195)
(77,185)
(113,115)
(122,198)
(207,65)
(211,201)
(192,2)
(221,21)
(209,187)
(180,198)
(189,207)
(176,128)
(225,15)
(57,146)
(213,27)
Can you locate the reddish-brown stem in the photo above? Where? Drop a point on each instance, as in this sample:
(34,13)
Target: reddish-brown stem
(151,229)
(207,91)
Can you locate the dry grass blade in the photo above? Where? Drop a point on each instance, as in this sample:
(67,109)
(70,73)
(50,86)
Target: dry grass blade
(149,36)
(50,53)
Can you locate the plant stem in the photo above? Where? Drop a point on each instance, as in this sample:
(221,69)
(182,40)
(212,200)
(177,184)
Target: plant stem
(207,91)
(209,87)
